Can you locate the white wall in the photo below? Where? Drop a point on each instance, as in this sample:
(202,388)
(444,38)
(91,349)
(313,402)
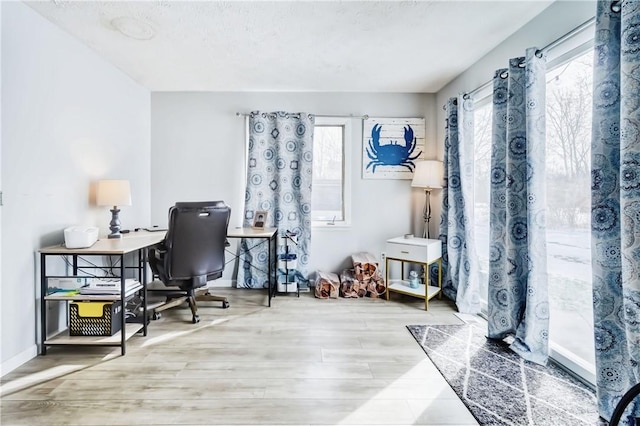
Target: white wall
(555,21)
(69,118)
(1,298)
(197,153)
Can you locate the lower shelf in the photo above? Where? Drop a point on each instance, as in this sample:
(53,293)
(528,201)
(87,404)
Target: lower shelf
(63,338)
(402,286)
(288,287)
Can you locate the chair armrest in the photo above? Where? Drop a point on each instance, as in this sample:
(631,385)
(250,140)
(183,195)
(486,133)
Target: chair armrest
(157,252)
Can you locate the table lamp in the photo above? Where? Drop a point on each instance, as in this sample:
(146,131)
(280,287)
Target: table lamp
(427,175)
(114,193)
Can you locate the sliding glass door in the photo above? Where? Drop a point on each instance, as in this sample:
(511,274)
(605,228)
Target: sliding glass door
(569,103)
(569,100)
(482,173)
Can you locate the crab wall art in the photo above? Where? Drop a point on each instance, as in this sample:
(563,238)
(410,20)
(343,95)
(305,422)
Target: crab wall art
(391,147)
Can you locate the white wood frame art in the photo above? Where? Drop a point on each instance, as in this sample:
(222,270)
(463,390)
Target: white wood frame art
(391,147)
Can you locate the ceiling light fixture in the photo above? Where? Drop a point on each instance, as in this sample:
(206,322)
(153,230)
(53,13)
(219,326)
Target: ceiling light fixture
(133,28)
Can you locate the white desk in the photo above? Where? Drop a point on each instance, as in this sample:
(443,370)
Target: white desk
(270,236)
(135,242)
(267,234)
(240,232)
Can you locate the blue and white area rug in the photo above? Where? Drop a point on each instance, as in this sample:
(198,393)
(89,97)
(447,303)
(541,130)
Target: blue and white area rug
(500,388)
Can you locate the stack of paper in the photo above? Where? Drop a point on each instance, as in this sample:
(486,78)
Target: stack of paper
(107,285)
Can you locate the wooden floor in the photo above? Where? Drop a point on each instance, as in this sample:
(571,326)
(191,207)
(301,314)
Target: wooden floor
(304,361)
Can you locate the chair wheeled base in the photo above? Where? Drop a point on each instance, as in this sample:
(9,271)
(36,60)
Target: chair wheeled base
(170,297)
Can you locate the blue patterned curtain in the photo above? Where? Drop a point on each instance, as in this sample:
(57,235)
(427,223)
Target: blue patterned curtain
(518,303)
(615,201)
(279,182)
(459,262)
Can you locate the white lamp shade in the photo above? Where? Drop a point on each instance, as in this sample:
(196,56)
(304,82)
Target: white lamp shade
(428,174)
(113,193)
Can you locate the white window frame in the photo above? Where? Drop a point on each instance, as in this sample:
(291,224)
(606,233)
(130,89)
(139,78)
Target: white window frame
(346,124)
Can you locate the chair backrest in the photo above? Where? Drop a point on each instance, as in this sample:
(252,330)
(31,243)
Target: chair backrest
(195,242)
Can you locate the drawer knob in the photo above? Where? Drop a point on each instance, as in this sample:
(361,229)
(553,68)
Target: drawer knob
(403,251)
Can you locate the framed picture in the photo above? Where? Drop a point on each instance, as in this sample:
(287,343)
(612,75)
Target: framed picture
(259,219)
(391,147)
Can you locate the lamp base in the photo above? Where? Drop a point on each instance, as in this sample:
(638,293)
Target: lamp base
(114,225)
(427,212)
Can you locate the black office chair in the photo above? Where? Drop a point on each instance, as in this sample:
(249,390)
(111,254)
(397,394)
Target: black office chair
(191,254)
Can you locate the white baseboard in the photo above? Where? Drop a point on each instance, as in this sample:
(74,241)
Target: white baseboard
(11,364)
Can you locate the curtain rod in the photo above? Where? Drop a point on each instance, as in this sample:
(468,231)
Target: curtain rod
(364,117)
(548,47)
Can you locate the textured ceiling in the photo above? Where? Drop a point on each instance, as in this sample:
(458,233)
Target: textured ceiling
(355,46)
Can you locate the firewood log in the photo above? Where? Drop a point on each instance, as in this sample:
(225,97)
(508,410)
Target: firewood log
(327,285)
(349,285)
(365,265)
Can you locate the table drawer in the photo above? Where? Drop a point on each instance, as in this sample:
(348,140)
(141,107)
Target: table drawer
(424,253)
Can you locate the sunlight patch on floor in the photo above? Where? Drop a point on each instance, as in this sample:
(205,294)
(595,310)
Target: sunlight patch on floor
(175,334)
(370,410)
(39,377)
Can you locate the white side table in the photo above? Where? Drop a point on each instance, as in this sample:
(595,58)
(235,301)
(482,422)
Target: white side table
(422,251)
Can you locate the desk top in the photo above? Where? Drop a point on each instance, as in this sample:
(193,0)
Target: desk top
(246,232)
(137,240)
(128,243)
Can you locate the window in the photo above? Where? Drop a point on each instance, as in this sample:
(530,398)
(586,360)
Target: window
(330,199)
(568,163)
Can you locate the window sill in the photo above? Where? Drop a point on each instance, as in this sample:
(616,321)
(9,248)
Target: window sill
(327,226)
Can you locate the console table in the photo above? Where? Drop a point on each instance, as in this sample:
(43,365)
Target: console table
(422,251)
